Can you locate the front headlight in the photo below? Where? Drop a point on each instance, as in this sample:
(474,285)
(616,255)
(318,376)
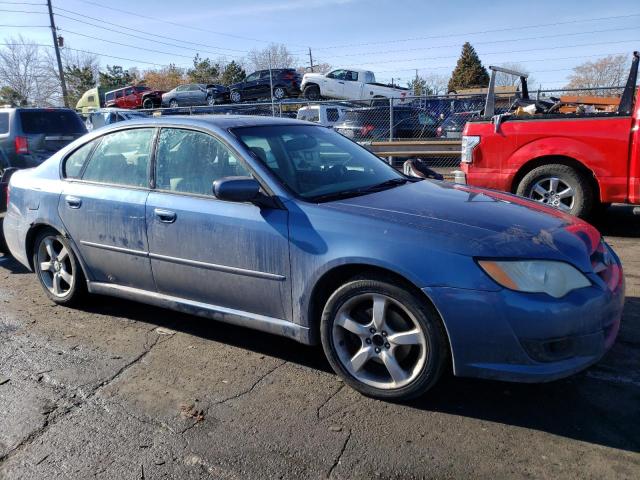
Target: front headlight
(536,276)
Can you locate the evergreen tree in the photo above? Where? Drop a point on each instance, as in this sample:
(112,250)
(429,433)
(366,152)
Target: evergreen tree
(232,73)
(204,71)
(115,77)
(79,80)
(469,72)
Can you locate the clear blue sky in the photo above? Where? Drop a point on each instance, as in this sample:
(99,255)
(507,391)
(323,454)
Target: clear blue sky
(392,38)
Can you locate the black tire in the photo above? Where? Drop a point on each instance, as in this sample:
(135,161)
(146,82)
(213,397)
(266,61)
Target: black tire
(279,93)
(78,288)
(147,103)
(235,96)
(311,92)
(584,197)
(211,100)
(435,346)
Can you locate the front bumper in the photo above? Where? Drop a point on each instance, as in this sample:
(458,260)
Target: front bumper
(511,336)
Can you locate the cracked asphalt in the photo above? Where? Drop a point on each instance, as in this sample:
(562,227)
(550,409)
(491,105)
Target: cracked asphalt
(117,389)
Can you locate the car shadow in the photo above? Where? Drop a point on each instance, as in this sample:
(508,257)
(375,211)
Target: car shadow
(618,221)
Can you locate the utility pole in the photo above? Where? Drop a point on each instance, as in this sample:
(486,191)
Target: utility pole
(54,33)
(310,59)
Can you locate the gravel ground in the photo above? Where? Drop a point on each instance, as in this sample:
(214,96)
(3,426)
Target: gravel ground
(121,390)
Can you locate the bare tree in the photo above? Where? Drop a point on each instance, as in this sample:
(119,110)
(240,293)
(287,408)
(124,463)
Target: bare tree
(275,55)
(609,71)
(23,68)
(436,84)
(506,80)
(74,64)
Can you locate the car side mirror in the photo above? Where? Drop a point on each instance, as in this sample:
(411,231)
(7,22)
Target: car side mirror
(236,189)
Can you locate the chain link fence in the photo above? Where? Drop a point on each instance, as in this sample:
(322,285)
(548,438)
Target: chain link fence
(405,121)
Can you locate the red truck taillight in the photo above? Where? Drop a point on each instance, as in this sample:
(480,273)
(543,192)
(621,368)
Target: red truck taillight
(22,145)
(469,143)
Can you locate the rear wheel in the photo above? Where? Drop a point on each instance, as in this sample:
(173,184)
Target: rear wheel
(173,103)
(279,93)
(383,340)
(559,186)
(57,268)
(147,103)
(311,92)
(211,100)
(235,96)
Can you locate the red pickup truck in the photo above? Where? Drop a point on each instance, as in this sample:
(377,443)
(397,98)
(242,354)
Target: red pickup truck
(575,161)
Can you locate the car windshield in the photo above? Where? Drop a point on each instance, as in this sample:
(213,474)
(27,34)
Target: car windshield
(316,163)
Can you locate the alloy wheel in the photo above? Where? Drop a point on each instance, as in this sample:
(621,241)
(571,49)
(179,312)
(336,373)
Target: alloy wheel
(379,341)
(279,93)
(554,192)
(55,266)
(235,97)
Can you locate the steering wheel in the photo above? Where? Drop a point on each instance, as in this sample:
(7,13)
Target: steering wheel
(336,171)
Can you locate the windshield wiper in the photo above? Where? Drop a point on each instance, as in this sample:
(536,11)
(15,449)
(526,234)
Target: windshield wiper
(359,191)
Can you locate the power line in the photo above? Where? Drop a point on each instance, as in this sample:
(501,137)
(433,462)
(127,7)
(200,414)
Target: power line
(22,11)
(25,26)
(496,53)
(22,3)
(190,27)
(142,38)
(486,42)
(519,27)
(138,31)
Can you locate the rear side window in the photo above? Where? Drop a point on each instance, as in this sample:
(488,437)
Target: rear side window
(122,158)
(109,96)
(54,122)
(4,123)
(189,162)
(74,163)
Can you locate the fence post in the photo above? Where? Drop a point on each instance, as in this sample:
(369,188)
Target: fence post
(280,109)
(390,159)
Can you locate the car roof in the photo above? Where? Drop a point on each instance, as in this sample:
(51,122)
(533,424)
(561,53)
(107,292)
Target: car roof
(221,122)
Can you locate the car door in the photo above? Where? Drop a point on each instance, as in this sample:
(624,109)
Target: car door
(334,87)
(230,255)
(352,85)
(198,94)
(130,98)
(103,206)
(251,86)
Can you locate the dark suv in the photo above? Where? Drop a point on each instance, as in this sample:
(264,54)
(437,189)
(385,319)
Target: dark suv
(372,123)
(286,83)
(29,136)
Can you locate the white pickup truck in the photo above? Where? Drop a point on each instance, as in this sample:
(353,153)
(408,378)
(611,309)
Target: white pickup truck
(348,84)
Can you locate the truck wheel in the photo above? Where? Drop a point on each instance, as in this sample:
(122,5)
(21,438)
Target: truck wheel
(311,92)
(559,186)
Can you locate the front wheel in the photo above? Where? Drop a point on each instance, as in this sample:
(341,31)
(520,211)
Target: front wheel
(235,96)
(147,103)
(58,269)
(173,103)
(211,100)
(279,93)
(559,186)
(384,341)
(311,92)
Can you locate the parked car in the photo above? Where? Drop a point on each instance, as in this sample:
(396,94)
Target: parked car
(349,84)
(372,123)
(286,83)
(576,161)
(29,136)
(194,94)
(5,174)
(131,97)
(453,125)
(291,228)
(107,116)
(326,115)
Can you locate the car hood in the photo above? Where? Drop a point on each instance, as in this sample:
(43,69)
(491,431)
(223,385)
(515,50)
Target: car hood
(479,222)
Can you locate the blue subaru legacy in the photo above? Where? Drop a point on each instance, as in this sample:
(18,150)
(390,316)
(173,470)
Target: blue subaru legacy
(291,228)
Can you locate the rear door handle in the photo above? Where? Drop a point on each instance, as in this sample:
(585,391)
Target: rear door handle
(73,202)
(165,216)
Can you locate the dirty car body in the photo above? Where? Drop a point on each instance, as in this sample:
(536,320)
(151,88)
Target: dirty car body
(268,264)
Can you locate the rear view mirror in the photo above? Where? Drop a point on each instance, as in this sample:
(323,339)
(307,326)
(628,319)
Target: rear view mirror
(236,189)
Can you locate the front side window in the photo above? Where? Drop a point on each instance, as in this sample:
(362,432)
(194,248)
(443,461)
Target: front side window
(122,158)
(74,163)
(316,163)
(337,74)
(188,161)
(128,91)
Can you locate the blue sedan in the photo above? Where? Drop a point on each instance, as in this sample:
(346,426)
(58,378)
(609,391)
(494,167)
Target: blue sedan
(292,229)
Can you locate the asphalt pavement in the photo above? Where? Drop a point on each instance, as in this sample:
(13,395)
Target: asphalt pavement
(120,390)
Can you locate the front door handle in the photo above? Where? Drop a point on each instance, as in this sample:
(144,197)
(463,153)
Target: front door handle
(165,216)
(73,202)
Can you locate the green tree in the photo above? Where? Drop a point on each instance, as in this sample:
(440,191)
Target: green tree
(204,71)
(115,77)
(232,73)
(418,87)
(469,71)
(9,96)
(79,80)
